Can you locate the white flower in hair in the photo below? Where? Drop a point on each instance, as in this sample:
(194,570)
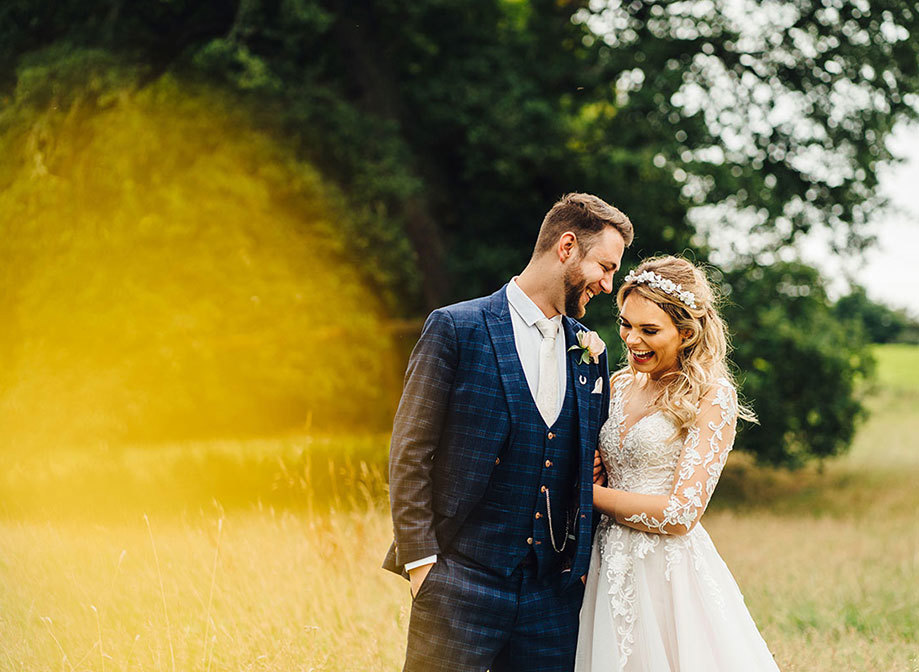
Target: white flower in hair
(666,285)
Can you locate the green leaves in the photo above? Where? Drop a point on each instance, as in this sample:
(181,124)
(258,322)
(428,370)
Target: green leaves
(803,371)
(448,129)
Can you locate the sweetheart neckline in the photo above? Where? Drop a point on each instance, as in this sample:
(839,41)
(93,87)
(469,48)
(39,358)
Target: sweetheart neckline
(618,398)
(624,435)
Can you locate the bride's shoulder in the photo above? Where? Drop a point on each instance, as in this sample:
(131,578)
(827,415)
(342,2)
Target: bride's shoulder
(721,383)
(721,392)
(621,378)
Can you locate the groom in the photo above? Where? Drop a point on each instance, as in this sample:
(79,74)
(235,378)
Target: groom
(492,450)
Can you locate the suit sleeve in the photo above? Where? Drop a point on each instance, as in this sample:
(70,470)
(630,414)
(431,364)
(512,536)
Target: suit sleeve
(416,435)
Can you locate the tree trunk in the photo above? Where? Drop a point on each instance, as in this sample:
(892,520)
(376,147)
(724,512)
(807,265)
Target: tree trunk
(380,96)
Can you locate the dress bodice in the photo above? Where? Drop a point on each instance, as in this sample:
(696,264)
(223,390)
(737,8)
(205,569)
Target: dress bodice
(644,460)
(652,459)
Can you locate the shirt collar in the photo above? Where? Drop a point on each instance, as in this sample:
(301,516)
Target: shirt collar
(528,311)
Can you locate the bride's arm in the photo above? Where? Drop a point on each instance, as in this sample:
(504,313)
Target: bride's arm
(705,450)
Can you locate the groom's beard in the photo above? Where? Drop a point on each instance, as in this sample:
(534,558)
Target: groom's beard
(575,286)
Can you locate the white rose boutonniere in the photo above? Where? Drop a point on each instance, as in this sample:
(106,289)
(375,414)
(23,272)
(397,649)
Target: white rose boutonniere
(591,346)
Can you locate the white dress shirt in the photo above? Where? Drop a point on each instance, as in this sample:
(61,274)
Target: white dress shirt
(527,339)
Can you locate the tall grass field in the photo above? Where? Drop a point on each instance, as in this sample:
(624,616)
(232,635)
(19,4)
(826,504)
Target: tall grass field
(264,555)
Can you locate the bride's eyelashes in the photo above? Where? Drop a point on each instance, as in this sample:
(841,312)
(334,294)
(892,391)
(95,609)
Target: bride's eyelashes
(626,325)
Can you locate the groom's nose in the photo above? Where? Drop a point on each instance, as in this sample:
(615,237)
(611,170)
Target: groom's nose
(606,283)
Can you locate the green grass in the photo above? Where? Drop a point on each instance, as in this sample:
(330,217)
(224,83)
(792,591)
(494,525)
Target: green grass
(898,366)
(827,558)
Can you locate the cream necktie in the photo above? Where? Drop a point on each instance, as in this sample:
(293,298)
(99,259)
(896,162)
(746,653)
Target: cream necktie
(547,390)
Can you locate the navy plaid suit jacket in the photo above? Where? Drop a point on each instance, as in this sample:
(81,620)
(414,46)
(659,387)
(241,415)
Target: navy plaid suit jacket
(456,413)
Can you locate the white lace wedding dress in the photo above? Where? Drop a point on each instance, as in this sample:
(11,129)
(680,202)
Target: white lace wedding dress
(663,600)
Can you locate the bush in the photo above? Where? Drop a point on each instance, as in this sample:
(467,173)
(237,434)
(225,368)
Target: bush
(802,369)
(881,323)
(169,272)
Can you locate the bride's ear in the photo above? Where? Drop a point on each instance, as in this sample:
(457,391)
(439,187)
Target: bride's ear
(685,335)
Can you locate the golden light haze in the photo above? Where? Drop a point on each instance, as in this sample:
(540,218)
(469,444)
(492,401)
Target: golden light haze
(168,272)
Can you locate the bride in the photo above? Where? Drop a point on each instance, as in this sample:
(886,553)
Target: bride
(658,596)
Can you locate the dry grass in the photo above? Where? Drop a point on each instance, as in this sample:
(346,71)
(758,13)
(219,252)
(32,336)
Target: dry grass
(289,593)
(828,560)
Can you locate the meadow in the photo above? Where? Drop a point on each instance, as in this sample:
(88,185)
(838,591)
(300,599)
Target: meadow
(264,555)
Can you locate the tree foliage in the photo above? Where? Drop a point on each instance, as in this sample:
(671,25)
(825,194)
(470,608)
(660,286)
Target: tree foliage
(167,272)
(450,127)
(803,368)
(880,323)
(774,112)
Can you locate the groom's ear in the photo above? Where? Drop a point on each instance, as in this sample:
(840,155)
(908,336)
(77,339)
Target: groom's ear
(567,246)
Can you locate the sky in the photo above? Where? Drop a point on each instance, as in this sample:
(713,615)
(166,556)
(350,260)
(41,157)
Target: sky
(890,270)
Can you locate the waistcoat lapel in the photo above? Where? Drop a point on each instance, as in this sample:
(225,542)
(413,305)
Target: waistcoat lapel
(583,376)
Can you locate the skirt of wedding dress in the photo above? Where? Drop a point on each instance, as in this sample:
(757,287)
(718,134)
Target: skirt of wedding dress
(659,603)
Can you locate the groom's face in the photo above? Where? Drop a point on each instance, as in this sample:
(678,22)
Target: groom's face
(587,273)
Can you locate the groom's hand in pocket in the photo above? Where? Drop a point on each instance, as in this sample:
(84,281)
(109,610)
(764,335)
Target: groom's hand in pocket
(417,577)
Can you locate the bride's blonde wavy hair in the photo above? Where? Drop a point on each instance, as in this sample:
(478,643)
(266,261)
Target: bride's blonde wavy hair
(703,356)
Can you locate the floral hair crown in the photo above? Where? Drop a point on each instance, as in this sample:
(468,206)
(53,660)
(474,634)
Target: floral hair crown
(667,286)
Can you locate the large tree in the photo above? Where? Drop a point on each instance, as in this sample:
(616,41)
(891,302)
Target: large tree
(452,126)
(462,122)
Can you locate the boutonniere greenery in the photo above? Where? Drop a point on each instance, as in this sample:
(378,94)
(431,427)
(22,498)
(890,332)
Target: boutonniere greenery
(591,346)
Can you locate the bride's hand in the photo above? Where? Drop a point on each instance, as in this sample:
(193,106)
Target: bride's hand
(599,471)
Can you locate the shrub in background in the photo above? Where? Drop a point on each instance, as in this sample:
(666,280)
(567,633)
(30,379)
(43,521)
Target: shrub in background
(167,272)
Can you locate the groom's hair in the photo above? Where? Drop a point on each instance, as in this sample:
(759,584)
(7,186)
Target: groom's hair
(585,216)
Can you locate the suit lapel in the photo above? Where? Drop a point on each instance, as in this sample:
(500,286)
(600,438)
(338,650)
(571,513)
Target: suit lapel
(501,331)
(581,375)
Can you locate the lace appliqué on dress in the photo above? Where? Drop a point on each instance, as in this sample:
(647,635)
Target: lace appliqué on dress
(690,495)
(647,461)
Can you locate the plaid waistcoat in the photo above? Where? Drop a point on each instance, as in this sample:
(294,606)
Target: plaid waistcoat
(513,517)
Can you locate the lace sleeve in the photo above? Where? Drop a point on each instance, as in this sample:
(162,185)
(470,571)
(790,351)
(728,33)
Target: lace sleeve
(705,451)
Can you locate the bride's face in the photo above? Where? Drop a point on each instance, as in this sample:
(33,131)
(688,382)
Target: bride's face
(650,335)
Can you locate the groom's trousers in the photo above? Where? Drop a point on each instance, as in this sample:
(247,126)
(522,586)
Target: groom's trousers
(467,618)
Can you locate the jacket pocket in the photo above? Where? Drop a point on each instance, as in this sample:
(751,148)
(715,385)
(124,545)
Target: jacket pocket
(432,577)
